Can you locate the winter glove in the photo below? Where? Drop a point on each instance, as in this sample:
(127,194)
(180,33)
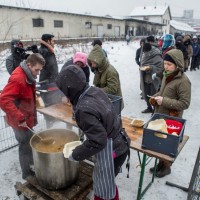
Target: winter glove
(152,101)
(71,158)
(153,76)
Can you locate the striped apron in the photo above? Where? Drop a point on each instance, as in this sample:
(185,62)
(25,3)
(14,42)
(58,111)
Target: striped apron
(103,175)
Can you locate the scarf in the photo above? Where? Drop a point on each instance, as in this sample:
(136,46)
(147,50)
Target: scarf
(170,75)
(30,79)
(47,45)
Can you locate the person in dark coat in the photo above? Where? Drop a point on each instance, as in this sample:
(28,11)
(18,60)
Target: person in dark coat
(139,52)
(188,45)
(138,57)
(196,53)
(180,45)
(79,59)
(16,57)
(105,137)
(50,70)
(18,101)
(151,64)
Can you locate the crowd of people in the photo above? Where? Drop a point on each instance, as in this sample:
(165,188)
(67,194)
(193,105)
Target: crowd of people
(164,87)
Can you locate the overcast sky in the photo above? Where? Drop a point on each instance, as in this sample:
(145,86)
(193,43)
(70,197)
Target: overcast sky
(103,7)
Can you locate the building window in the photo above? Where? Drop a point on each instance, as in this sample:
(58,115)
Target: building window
(58,23)
(38,22)
(109,26)
(88,25)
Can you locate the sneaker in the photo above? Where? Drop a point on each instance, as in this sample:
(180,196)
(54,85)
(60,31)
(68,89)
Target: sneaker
(30,173)
(147,110)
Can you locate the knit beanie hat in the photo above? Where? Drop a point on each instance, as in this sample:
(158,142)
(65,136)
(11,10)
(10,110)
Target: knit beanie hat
(80,57)
(169,58)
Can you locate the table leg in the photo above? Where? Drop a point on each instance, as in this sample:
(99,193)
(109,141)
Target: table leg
(140,192)
(139,195)
(154,171)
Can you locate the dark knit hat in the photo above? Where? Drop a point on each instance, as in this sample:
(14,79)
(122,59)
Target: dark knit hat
(147,47)
(47,36)
(150,38)
(99,42)
(169,58)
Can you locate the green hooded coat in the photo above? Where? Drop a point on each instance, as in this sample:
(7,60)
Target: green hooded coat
(176,93)
(106,76)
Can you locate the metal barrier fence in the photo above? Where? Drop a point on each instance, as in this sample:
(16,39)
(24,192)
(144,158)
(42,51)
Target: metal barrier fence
(7,136)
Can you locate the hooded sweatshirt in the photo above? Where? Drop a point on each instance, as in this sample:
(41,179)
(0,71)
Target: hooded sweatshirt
(106,76)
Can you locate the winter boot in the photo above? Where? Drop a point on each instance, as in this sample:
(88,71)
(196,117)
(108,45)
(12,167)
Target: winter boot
(166,169)
(158,168)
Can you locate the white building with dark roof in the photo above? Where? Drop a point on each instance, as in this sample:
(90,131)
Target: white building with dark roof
(155,14)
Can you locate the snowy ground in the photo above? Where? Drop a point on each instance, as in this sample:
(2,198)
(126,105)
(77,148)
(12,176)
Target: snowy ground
(122,57)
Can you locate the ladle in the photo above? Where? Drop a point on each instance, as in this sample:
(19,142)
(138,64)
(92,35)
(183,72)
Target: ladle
(45,141)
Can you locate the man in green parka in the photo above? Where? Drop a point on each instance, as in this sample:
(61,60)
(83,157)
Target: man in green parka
(106,76)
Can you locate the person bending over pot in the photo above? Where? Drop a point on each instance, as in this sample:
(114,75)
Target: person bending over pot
(106,140)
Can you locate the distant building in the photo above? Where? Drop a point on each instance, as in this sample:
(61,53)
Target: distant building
(155,14)
(180,27)
(27,24)
(188,14)
(188,18)
(197,29)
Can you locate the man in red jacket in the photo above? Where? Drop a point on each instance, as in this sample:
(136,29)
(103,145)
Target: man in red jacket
(17,100)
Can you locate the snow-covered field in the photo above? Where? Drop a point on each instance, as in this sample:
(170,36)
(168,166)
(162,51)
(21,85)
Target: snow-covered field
(123,58)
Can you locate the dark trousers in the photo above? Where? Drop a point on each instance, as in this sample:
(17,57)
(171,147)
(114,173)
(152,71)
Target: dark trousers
(118,162)
(149,90)
(25,152)
(194,63)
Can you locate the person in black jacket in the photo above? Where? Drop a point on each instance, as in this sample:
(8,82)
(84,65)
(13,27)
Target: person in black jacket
(50,70)
(180,45)
(105,137)
(139,52)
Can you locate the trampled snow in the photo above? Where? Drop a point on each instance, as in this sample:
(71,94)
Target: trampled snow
(122,57)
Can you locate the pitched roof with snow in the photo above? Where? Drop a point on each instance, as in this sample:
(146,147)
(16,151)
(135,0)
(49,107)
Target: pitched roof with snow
(181,26)
(149,11)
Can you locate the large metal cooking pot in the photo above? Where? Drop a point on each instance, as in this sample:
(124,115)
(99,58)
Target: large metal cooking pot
(52,170)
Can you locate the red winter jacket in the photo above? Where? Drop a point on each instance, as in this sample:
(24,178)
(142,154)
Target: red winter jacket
(17,100)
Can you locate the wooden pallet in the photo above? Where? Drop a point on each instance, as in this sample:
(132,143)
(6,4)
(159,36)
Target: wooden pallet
(78,191)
